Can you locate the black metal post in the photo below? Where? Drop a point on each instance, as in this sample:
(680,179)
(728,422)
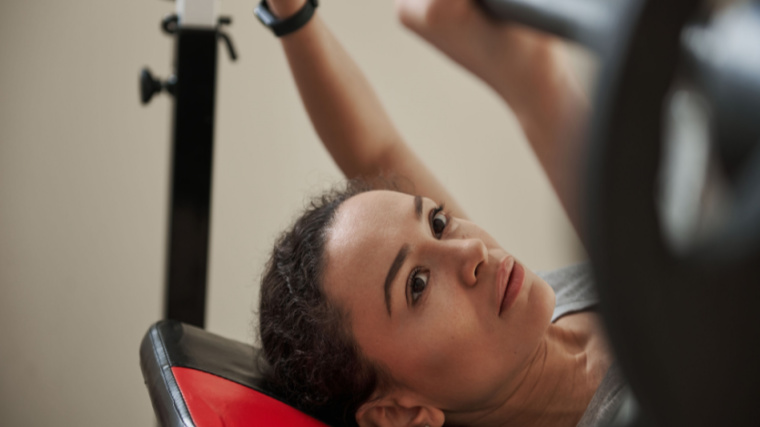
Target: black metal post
(192,159)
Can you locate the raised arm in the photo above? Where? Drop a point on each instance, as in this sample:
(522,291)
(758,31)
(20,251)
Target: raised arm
(345,111)
(528,70)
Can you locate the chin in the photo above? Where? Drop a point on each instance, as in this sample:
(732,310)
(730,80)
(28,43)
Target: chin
(541,298)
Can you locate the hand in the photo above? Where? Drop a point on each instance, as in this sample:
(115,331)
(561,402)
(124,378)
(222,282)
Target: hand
(285,8)
(514,60)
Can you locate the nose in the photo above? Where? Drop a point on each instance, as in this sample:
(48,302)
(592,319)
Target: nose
(471,253)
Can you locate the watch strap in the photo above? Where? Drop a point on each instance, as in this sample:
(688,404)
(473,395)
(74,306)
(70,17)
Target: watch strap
(282,27)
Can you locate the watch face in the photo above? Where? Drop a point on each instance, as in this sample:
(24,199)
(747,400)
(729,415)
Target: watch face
(265,16)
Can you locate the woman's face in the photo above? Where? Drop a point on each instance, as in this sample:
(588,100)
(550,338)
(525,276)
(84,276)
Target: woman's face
(452,315)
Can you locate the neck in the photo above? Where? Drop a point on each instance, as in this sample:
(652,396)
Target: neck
(556,385)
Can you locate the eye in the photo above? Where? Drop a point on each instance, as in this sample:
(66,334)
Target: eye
(438,221)
(417,283)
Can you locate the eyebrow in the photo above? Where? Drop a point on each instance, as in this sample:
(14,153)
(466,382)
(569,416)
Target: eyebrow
(418,207)
(400,257)
(395,267)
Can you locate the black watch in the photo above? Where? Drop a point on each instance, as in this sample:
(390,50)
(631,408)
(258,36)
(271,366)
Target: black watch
(282,27)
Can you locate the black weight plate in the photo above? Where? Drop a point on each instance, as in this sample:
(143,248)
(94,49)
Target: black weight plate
(684,327)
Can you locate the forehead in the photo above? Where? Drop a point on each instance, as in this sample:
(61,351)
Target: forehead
(368,217)
(368,231)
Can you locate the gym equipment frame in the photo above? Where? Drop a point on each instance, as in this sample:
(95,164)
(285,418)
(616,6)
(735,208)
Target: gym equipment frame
(197,31)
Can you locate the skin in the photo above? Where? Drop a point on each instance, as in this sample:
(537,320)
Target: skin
(451,351)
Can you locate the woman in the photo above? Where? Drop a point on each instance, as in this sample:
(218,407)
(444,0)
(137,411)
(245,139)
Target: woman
(401,310)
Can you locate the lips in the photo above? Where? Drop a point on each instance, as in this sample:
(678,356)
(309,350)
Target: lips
(510,278)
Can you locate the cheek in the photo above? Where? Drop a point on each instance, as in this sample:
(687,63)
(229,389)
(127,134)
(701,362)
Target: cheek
(446,341)
(456,365)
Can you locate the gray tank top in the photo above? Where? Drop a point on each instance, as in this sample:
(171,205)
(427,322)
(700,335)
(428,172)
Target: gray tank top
(574,287)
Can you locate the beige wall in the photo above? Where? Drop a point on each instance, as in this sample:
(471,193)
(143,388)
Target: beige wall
(83,184)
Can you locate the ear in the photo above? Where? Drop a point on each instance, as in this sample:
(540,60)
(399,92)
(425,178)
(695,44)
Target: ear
(399,409)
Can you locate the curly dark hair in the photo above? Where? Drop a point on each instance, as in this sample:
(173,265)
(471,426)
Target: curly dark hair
(311,354)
